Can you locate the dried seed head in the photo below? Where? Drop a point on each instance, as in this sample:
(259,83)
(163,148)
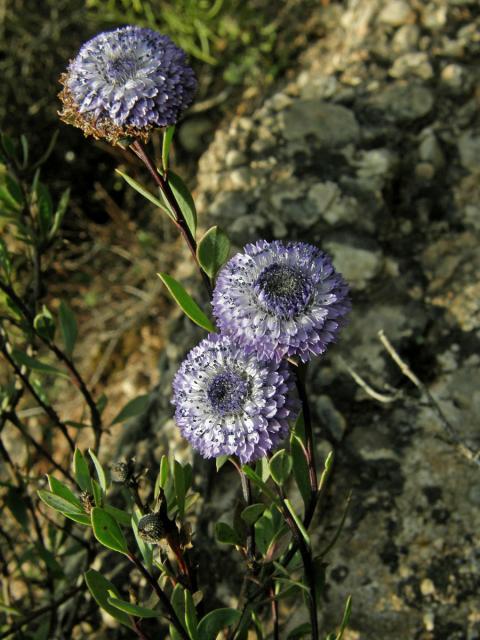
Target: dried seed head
(151,528)
(87,501)
(122,472)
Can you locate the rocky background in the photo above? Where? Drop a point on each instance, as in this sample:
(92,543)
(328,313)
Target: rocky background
(371,149)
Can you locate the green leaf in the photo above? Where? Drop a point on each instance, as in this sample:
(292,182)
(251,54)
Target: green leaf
(280,466)
(220,461)
(326,471)
(133,609)
(226,535)
(178,603)
(184,200)
(102,478)
(253,512)
(180,489)
(68,326)
(262,468)
(213,250)
(143,191)
(82,472)
(97,493)
(186,303)
(132,409)
(162,477)
(59,213)
(167,141)
(300,467)
(44,324)
(100,587)
(14,190)
(66,508)
(32,363)
(255,478)
(107,531)
(298,521)
(5,608)
(299,428)
(45,209)
(346,618)
(24,143)
(293,583)
(60,489)
(121,516)
(191,620)
(215,621)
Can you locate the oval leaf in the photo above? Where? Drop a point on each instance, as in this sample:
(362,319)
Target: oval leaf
(280,466)
(100,587)
(32,363)
(60,489)
(213,250)
(132,409)
(107,531)
(215,621)
(102,478)
(253,512)
(186,303)
(167,141)
(226,535)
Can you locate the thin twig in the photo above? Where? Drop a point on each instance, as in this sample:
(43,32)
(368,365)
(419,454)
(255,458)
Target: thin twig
(376,395)
(464,448)
(162,596)
(40,612)
(13,418)
(50,411)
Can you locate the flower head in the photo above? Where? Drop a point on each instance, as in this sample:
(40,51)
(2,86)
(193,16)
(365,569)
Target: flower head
(126,82)
(280,299)
(230,403)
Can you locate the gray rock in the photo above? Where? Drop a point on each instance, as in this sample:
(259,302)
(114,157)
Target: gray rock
(469,150)
(416,63)
(358,265)
(396,13)
(406,38)
(403,102)
(329,124)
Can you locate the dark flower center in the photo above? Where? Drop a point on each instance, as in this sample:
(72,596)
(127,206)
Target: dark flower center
(227,392)
(120,70)
(283,290)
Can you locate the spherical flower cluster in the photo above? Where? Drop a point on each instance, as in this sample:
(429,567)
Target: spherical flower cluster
(280,299)
(126,82)
(230,403)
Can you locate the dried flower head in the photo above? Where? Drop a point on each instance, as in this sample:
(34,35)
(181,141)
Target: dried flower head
(124,83)
(280,299)
(230,403)
(151,528)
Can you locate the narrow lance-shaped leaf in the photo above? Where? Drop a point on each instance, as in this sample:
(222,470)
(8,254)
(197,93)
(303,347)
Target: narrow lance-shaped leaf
(180,490)
(300,467)
(143,191)
(132,609)
(100,587)
(65,507)
(184,200)
(186,302)
(102,478)
(36,365)
(213,250)
(166,144)
(81,471)
(68,326)
(132,409)
(191,620)
(59,213)
(60,489)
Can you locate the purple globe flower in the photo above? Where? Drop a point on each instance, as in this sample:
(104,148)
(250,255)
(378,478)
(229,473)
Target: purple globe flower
(126,82)
(280,299)
(230,403)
